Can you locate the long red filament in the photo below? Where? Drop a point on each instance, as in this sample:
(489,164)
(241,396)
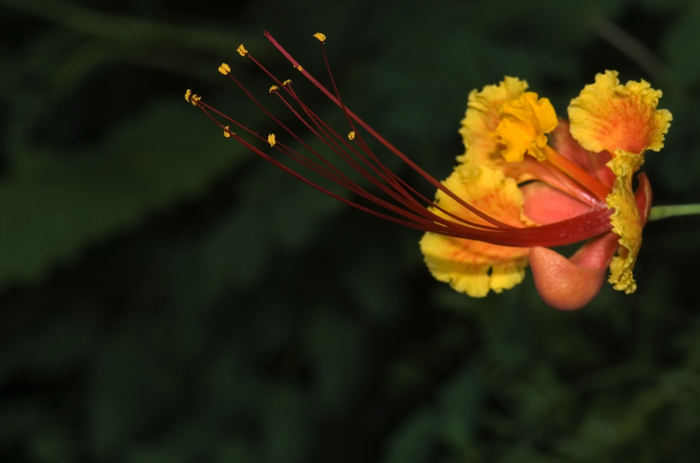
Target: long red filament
(376,135)
(416,206)
(385,174)
(345,182)
(409,204)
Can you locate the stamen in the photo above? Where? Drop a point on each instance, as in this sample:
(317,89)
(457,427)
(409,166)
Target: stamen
(576,173)
(350,115)
(409,204)
(192,97)
(224,69)
(386,175)
(353,187)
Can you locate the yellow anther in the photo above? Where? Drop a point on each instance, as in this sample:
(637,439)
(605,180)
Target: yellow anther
(274,88)
(287,82)
(321,37)
(241,50)
(192,97)
(271,139)
(227,132)
(351,135)
(224,69)
(299,68)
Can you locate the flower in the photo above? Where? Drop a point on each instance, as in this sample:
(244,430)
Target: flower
(513,172)
(528,181)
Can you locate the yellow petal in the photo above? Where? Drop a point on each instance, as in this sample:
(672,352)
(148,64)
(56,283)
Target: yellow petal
(523,125)
(624,121)
(607,116)
(482,117)
(625,220)
(475,267)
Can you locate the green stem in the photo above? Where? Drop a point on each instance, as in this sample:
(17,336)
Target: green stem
(661,212)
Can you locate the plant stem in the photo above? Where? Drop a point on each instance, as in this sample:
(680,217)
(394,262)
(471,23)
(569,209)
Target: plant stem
(661,212)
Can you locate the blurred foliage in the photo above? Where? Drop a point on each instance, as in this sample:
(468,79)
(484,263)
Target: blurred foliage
(169,297)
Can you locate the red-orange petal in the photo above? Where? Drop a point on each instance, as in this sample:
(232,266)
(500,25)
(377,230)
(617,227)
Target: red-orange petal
(643,197)
(545,204)
(570,284)
(593,163)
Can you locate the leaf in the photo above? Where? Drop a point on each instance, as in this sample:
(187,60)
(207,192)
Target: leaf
(54,211)
(129,390)
(682,46)
(284,421)
(460,404)
(336,347)
(413,441)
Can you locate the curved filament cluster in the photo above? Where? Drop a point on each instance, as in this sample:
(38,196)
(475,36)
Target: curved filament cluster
(398,202)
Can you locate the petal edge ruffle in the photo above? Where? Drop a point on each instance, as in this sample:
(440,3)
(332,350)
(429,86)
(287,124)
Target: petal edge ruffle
(608,116)
(482,118)
(476,267)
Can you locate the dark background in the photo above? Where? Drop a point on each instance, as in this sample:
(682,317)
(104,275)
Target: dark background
(167,296)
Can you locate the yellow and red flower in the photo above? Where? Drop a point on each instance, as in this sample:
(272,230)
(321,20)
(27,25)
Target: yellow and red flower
(512,172)
(528,181)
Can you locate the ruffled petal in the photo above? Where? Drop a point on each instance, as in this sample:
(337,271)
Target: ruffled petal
(630,216)
(523,125)
(482,117)
(484,111)
(626,220)
(624,121)
(607,116)
(475,267)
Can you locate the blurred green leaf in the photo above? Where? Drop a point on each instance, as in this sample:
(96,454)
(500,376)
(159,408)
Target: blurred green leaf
(337,351)
(682,46)
(284,421)
(129,389)
(61,206)
(413,441)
